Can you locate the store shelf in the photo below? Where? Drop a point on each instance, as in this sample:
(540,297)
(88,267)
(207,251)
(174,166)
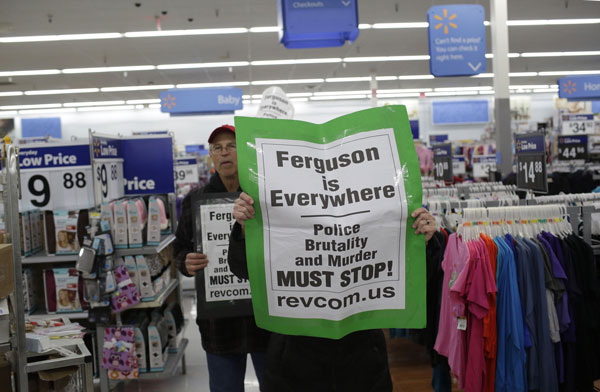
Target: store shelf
(160,298)
(171,365)
(49,259)
(71,316)
(148,249)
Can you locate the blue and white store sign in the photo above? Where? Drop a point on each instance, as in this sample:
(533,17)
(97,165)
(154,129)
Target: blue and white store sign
(317,23)
(186,171)
(107,152)
(578,124)
(194,101)
(148,165)
(579,87)
(56,177)
(456,39)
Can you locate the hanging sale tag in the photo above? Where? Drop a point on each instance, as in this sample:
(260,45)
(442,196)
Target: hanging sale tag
(55,177)
(331,249)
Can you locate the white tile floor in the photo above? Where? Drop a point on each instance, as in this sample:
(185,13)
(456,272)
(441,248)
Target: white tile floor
(196,379)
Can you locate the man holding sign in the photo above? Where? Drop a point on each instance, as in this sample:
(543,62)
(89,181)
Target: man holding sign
(226,340)
(324,233)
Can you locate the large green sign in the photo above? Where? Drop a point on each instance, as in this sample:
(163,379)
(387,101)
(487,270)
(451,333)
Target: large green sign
(331,249)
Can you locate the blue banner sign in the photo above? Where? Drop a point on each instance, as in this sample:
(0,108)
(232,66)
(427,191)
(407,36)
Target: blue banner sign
(436,139)
(49,126)
(460,112)
(414,128)
(317,23)
(530,144)
(573,140)
(579,87)
(148,165)
(43,157)
(456,39)
(192,101)
(185,161)
(484,159)
(442,150)
(106,147)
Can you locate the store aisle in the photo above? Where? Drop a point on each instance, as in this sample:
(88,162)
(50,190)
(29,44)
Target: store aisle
(196,379)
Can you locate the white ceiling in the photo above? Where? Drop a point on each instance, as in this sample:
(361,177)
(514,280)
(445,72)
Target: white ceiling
(31,17)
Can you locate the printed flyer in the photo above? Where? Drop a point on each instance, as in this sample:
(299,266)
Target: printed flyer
(225,295)
(331,249)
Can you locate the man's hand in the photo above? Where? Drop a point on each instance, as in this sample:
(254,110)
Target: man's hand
(195,262)
(242,209)
(424,223)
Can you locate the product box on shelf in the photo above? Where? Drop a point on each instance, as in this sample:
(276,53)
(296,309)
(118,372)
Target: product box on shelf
(29,291)
(7,282)
(49,232)
(158,336)
(25,229)
(62,290)
(120,227)
(4,321)
(146,289)
(65,226)
(135,222)
(106,215)
(153,228)
(132,270)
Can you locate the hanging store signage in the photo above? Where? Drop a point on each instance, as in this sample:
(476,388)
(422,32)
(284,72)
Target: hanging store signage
(317,23)
(572,147)
(459,165)
(186,171)
(56,177)
(193,101)
(578,124)
(437,139)
(442,162)
(331,249)
(579,87)
(531,162)
(483,165)
(107,157)
(148,165)
(456,39)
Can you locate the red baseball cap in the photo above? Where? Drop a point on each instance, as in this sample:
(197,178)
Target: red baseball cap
(220,129)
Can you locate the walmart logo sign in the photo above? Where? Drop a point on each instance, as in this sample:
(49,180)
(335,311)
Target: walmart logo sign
(579,87)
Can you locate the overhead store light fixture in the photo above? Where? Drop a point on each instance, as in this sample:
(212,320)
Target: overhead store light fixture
(545,90)
(8,113)
(47,111)
(97,103)
(560,73)
(339,97)
(137,88)
(298,61)
(39,106)
(472,88)
(448,93)
(11,93)
(109,69)
(561,54)
(63,91)
(405,25)
(299,99)
(521,74)
(385,58)
(142,101)
(286,81)
(328,93)
(406,95)
(177,33)
(61,37)
(403,90)
(551,22)
(154,106)
(35,72)
(415,77)
(105,108)
(223,84)
(298,95)
(265,29)
(204,65)
(528,86)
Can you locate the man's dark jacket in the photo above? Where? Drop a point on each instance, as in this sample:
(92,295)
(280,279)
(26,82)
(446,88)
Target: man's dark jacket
(224,335)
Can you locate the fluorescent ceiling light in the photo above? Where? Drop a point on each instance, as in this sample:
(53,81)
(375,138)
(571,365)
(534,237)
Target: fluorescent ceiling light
(222,84)
(356,92)
(11,93)
(561,54)
(344,80)
(338,97)
(299,99)
(385,58)
(109,69)
(548,22)
(46,111)
(137,88)
(63,91)
(105,108)
(406,25)
(364,26)
(297,61)
(521,74)
(472,88)
(62,37)
(97,103)
(139,106)
(510,55)
(30,73)
(142,101)
(487,92)
(559,73)
(406,95)
(449,93)
(286,81)
(545,90)
(265,29)
(40,106)
(204,65)
(415,77)
(528,86)
(296,95)
(8,113)
(483,75)
(403,90)
(154,106)
(173,33)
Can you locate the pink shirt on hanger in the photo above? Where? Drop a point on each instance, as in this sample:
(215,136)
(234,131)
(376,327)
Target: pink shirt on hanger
(450,340)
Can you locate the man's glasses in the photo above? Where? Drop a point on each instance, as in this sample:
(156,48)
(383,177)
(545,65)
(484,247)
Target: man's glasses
(218,149)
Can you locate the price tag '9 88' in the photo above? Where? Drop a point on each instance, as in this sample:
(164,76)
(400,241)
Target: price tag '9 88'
(108,179)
